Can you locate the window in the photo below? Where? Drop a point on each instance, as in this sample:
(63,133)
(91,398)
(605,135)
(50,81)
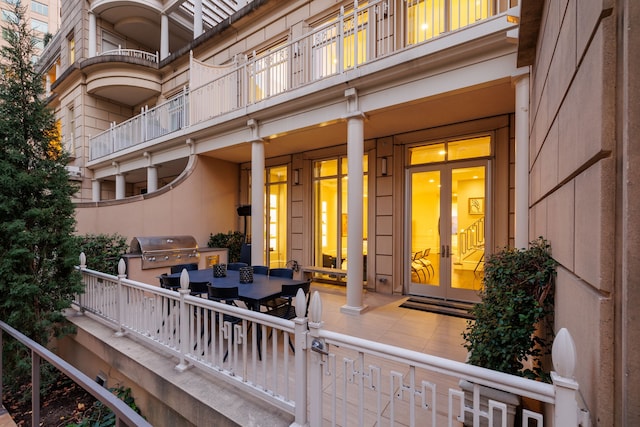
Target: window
(40,8)
(429,18)
(40,26)
(276,220)
(9,16)
(269,73)
(331,215)
(468,148)
(331,53)
(71,45)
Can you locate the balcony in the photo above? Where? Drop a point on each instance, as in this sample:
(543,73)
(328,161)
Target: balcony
(127,76)
(332,376)
(355,41)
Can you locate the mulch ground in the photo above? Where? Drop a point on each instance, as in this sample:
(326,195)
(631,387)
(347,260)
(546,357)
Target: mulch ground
(63,404)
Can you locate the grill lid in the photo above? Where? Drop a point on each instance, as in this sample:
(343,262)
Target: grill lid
(164,251)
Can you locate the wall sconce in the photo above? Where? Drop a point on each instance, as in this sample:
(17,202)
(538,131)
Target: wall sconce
(296,177)
(383,166)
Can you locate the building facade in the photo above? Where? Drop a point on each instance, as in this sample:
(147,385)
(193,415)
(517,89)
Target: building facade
(43,18)
(394,142)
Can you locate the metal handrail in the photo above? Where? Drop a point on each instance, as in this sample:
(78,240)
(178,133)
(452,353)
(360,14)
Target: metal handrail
(122,411)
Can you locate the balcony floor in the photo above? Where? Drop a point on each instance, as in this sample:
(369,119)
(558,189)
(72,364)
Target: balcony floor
(386,322)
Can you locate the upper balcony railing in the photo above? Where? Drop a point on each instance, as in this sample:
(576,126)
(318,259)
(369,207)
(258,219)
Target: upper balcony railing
(330,377)
(351,39)
(133,53)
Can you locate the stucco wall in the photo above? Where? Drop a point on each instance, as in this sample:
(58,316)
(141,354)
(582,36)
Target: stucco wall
(205,203)
(572,182)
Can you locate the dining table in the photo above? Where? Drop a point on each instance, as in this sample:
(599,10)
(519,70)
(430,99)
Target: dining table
(263,289)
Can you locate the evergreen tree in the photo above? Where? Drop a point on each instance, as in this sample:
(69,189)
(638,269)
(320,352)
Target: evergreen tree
(37,250)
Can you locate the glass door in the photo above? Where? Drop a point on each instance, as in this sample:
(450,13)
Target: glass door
(445,251)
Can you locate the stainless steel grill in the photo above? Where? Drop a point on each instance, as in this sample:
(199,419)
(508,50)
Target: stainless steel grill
(165,251)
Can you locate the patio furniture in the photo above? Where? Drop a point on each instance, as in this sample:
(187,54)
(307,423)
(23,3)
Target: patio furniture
(226,296)
(288,309)
(281,272)
(236,265)
(261,269)
(189,267)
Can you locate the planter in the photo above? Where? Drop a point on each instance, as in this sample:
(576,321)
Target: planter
(512,401)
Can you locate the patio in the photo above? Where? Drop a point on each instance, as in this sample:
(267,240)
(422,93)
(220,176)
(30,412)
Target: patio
(388,323)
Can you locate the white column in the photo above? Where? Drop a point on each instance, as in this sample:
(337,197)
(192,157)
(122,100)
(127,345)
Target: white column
(355,152)
(120,184)
(257,203)
(152,179)
(92,35)
(522,161)
(164,36)
(95,190)
(197,18)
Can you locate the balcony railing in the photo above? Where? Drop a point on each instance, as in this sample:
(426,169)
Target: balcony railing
(353,38)
(133,53)
(346,380)
(151,123)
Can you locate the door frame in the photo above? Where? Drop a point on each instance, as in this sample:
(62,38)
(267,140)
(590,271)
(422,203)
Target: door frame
(444,290)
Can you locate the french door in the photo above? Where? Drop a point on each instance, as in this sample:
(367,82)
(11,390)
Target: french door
(447,207)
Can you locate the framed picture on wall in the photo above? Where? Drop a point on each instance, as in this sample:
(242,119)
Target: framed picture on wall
(476,205)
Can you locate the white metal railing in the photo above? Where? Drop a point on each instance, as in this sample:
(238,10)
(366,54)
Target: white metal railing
(355,37)
(151,123)
(345,379)
(133,53)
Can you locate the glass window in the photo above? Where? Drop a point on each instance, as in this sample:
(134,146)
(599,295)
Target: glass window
(71,44)
(468,148)
(40,8)
(331,214)
(9,16)
(269,73)
(40,26)
(276,216)
(326,48)
(427,154)
(429,18)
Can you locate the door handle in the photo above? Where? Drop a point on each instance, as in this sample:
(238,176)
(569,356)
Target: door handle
(447,251)
(442,253)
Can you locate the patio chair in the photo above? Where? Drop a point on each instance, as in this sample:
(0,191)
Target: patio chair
(226,296)
(260,269)
(281,272)
(178,268)
(236,265)
(198,288)
(288,310)
(167,282)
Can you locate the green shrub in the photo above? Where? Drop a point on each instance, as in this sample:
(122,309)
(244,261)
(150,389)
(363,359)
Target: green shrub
(517,296)
(232,240)
(103,251)
(101,415)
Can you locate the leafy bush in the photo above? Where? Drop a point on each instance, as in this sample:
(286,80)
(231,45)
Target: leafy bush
(103,251)
(517,296)
(101,415)
(232,240)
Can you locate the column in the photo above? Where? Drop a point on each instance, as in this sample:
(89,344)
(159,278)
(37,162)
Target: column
(120,184)
(197,18)
(257,196)
(95,190)
(522,161)
(92,35)
(355,151)
(164,36)
(152,179)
